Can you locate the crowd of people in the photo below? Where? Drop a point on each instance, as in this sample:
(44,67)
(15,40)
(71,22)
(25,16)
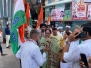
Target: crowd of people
(51,47)
(55,48)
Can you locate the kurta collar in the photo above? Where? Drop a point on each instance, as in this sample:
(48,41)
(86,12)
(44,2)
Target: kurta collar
(33,41)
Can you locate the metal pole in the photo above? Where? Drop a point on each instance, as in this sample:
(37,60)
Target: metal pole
(12,7)
(9,8)
(4,8)
(1,9)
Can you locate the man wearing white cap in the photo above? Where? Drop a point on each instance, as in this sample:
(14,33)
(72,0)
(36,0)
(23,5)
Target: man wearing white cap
(60,31)
(67,29)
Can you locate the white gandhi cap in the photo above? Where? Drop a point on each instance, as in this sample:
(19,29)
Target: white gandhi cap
(67,26)
(60,28)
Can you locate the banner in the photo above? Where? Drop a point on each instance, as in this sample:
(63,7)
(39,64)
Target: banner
(87,1)
(89,12)
(78,10)
(67,16)
(57,14)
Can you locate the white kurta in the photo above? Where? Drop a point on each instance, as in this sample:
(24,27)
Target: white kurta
(72,46)
(30,55)
(74,54)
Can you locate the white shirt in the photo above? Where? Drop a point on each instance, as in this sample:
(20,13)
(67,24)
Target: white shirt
(70,64)
(30,55)
(61,34)
(74,54)
(73,45)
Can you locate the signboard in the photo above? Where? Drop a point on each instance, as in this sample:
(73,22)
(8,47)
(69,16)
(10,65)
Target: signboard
(57,14)
(67,15)
(78,10)
(47,12)
(89,12)
(87,1)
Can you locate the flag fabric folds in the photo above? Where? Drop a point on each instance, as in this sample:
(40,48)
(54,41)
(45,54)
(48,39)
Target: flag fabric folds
(27,11)
(40,18)
(28,15)
(19,19)
(48,21)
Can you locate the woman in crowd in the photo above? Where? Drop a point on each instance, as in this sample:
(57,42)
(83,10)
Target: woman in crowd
(52,55)
(63,40)
(63,65)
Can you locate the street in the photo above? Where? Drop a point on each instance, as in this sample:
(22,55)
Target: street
(8,61)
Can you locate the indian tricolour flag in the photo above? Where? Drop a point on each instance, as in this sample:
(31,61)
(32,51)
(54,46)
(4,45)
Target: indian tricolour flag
(19,19)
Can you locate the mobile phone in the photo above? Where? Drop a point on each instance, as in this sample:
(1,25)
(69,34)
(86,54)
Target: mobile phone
(84,59)
(82,35)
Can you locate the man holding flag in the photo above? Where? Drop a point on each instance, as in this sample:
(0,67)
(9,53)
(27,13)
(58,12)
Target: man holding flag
(17,38)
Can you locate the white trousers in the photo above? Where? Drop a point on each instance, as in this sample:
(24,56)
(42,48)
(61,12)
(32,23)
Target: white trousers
(65,65)
(7,40)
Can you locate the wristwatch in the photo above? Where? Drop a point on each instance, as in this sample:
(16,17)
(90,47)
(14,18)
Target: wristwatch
(67,42)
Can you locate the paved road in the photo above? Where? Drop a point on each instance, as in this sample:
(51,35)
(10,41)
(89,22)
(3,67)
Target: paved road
(8,61)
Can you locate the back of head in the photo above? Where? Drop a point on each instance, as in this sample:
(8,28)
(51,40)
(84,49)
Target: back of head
(34,33)
(87,28)
(7,25)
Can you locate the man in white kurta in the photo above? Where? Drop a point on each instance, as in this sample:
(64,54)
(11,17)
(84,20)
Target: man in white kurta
(60,31)
(30,54)
(85,47)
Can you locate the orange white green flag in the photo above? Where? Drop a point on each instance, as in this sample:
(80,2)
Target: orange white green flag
(19,19)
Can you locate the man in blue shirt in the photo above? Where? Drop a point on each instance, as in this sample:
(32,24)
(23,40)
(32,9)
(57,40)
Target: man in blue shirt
(7,31)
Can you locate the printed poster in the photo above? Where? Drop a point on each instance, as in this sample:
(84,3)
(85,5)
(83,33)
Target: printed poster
(89,12)
(78,10)
(57,14)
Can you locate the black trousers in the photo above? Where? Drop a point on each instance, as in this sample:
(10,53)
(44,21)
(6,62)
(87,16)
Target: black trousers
(1,48)
(20,63)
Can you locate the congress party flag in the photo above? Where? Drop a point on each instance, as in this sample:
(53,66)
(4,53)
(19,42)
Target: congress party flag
(19,19)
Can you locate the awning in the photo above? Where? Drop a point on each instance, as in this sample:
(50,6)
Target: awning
(59,2)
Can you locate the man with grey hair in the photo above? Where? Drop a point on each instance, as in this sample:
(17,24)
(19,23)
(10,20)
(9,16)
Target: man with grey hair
(76,42)
(73,44)
(30,54)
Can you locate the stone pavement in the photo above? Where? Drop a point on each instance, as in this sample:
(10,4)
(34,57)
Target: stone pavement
(8,61)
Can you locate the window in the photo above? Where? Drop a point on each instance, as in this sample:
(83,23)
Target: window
(68,23)
(67,6)
(52,7)
(49,1)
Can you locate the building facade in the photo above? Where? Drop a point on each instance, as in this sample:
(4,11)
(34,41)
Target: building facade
(64,6)
(6,13)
